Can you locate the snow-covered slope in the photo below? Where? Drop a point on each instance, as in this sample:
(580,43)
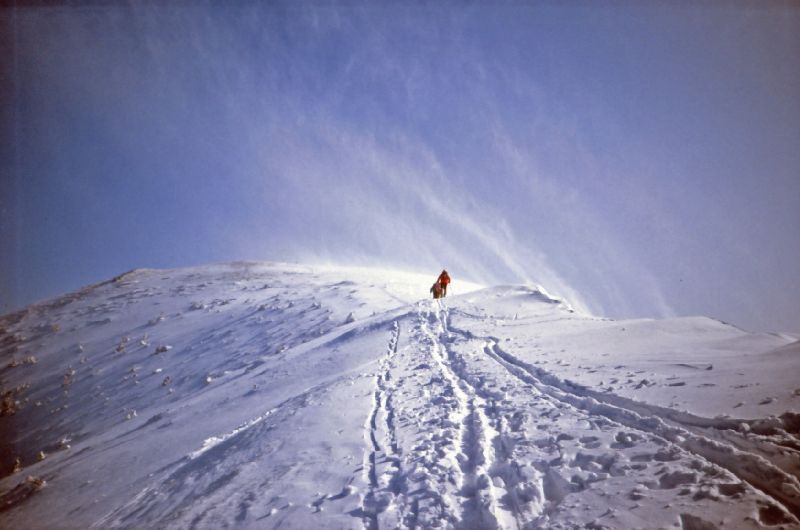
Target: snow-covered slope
(274,395)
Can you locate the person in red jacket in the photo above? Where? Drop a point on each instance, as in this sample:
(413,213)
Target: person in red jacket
(444,281)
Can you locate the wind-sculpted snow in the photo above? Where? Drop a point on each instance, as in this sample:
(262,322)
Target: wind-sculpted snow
(268,395)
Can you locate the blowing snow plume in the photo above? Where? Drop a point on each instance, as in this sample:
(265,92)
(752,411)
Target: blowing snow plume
(265,395)
(597,150)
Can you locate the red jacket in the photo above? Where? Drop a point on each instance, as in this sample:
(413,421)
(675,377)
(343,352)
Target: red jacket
(444,278)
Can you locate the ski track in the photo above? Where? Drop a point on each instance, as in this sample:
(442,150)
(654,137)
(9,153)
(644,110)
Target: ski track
(382,442)
(464,435)
(437,448)
(752,468)
(428,438)
(480,509)
(682,429)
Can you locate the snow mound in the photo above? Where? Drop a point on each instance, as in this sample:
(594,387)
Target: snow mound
(278,395)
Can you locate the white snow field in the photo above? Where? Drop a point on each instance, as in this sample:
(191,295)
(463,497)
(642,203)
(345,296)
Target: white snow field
(264,395)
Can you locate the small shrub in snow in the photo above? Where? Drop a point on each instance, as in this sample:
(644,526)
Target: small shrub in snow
(41,456)
(163,348)
(17,465)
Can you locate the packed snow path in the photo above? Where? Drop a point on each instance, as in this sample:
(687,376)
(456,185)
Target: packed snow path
(486,443)
(266,396)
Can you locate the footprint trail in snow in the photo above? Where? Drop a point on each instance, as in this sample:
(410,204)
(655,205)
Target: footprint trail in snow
(268,395)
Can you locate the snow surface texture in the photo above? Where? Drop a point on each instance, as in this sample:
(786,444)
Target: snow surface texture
(273,395)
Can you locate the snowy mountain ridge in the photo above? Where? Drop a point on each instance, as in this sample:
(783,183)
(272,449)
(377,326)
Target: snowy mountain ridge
(265,395)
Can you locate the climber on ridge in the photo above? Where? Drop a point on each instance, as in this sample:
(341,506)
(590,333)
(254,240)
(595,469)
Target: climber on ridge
(444,281)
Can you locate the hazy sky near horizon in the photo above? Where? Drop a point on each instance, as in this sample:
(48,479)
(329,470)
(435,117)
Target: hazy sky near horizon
(639,158)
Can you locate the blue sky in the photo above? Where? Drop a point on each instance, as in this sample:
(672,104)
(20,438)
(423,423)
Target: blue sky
(640,159)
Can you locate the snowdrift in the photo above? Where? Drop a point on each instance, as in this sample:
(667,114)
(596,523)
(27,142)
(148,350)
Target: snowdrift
(262,395)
